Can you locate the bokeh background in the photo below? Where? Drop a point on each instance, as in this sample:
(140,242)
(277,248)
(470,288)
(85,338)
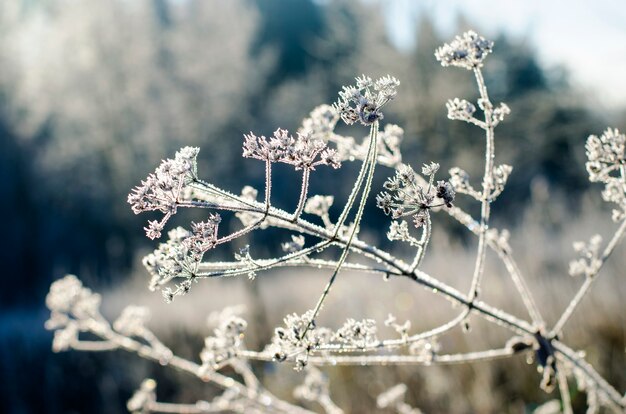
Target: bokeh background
(93,94)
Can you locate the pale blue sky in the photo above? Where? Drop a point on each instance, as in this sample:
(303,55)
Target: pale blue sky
(588,37)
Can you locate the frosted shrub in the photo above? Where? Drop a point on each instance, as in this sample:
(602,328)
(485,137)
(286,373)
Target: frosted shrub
(412,197)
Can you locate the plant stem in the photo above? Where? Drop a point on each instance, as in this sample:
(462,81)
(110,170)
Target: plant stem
(303,193)
(370,164)
(487,180)
(558,327)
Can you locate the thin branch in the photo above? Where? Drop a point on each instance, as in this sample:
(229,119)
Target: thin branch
(197,408)
(370,163)
(182,364)
(303,193)
(603,387)
(564,391)
(365,167)
(619,233)
(446,359)
(219,269)
(485,207)
(283,219)
(422,244)
(396,343)
(509,262)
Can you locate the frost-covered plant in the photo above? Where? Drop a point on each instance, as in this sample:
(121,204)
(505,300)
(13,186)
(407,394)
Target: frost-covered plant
(181,260)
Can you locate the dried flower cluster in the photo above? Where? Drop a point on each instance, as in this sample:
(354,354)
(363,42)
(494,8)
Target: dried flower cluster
(466,51)
(410,195)
(303,152)
(313,229)
(72,307)
(180,256)
(363,102)
(163,189)
(607,164)
(222,346)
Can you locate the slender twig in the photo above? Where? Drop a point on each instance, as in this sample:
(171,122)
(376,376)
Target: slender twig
(485,207)
(504,253)
(303,193)
(396,343)
(371,164)
(370,251)
(564,390)
(611,394)
(228,269)
(434,359)
(365,167)
(422,244)
(571,307)
(148,352)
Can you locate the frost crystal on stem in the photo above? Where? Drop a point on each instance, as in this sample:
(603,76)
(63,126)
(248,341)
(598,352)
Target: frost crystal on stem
(163,189)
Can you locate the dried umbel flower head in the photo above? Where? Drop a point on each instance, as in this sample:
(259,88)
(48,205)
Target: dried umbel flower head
(72,307)
(298,337)
(314,388)
(588,261)
(132,321)
(321,122)
(398,230)
(466,51)
(605,154)
(303,152)
(460,109)
(357,333)
(223,345)
(607,164)
(180,255)
(363,102)
(68,296)
(412,195)
(163,189)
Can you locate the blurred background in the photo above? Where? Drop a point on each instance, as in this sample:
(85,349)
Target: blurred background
(93,94)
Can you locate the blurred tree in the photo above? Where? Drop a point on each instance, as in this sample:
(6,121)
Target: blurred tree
(101,106)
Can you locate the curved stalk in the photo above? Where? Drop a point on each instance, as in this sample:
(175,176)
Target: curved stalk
(485,208)
(569,311)
(370,166)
